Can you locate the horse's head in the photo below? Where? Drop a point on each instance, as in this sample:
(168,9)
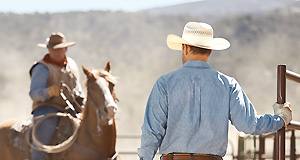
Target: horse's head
(101,93)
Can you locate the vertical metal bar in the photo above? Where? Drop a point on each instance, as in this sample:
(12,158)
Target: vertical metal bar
(255,150)
(261,151)
(281,98)
(281,144)
(275,148)
(241,148)
(293,146)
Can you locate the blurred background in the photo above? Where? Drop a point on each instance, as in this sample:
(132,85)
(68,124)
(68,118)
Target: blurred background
(132,35)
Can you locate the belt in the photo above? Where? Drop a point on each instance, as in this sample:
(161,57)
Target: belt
(189,156)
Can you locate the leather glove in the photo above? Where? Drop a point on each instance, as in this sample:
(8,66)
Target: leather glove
(53,90)
(284,111)
(276,108)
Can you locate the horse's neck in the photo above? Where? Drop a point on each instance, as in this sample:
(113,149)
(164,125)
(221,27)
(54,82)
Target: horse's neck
(89,121)
(90,133)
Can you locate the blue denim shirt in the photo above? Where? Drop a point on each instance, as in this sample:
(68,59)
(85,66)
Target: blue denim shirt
(189,111)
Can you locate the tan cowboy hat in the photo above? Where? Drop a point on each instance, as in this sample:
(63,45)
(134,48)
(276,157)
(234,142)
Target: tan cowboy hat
(199,35)
(55,41)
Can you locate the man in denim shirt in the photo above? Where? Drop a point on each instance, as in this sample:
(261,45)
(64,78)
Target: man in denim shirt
(46,77)
(188,110)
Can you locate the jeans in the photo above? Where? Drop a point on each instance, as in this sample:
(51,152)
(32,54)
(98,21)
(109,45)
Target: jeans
(45,131)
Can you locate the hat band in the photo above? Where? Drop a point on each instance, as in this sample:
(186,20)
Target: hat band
(51,45)
(197,40)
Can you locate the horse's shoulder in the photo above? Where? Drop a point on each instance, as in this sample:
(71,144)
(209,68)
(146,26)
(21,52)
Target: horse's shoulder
(19,126)
(6,130)
(14,131)
(7,124)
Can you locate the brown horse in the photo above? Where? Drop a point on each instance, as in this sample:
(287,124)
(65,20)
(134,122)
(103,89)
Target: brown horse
(96,138)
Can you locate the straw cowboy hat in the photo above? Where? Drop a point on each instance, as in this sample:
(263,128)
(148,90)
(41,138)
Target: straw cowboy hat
(55,41)
(198,35)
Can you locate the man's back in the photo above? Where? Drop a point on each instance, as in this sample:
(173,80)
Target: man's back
(198,108)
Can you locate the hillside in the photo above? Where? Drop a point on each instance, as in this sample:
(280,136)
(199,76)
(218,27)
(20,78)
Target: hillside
(211,10)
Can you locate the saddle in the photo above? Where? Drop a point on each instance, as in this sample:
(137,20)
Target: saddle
(17,134)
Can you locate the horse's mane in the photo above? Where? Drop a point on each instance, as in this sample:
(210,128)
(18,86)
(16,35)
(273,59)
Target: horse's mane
(107,75)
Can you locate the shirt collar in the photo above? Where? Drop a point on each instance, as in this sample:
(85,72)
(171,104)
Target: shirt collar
(47,59)
(196,64)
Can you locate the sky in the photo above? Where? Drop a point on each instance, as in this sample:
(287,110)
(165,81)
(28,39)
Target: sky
(27,6)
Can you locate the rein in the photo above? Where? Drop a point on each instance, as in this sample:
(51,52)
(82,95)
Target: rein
(69,104)
(115,156)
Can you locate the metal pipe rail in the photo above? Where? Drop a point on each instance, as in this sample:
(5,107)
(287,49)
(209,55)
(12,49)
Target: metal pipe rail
(293,76)
(279,141)
(294,125)
(279,138)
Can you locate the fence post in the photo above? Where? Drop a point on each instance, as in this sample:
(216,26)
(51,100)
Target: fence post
(241,148)
(275,147)
(293,146)
(261,151)
(281,98)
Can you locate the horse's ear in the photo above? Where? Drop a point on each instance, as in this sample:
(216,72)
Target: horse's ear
(88,73)
(107,66)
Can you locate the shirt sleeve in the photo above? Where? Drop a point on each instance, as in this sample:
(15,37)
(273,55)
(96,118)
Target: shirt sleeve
(155,121)
(243,115)
(39,83)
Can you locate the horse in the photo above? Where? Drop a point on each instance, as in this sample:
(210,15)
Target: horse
(96,136)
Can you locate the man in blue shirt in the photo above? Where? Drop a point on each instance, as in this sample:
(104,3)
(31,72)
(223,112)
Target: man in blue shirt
(188,110)
(46,77)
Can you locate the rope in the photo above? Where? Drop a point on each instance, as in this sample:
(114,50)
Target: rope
(37,145)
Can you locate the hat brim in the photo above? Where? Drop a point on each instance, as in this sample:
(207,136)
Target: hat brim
(175,42)
(61,45)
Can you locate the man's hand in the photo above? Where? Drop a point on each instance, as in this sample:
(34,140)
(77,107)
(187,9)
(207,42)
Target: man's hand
(284,111)
(53,90)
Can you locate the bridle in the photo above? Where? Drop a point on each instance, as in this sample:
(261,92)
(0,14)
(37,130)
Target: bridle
(105,90)
(109,100)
